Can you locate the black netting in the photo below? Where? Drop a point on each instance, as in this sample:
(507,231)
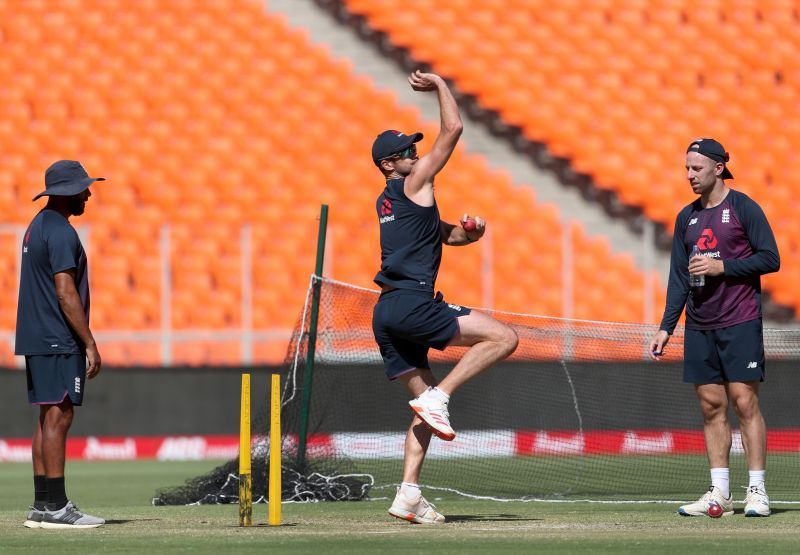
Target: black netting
(313,479)
(221,486)
(579,411)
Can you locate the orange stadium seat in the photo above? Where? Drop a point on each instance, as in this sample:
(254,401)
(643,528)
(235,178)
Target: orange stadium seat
(202,120)
(610,84)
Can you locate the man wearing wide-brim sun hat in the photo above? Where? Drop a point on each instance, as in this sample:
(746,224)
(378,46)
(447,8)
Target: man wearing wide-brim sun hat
(54,337)
(66,178)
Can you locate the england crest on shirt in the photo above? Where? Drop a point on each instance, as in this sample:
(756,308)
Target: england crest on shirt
(726,216)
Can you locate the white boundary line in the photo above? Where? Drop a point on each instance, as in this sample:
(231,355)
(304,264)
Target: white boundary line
(550,500)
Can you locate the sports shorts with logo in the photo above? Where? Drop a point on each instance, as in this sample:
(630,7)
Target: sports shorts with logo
(53,378)
(732,354)
(406,323)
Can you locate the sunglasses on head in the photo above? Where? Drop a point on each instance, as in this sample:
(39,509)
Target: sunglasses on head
(410,152)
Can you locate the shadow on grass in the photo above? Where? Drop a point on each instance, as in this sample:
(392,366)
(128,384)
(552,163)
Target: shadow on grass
(122,521)
(775,511)
(488,518)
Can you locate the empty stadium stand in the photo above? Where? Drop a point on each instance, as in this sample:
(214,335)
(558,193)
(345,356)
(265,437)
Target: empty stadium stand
(209,116)
(620,88)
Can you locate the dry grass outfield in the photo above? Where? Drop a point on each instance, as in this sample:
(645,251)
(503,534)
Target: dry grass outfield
(120,492)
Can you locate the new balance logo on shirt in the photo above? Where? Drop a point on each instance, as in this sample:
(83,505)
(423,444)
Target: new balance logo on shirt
(752,365)
(693,221)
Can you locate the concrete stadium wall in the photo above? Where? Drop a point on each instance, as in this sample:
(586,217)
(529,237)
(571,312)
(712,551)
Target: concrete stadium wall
(154,401)
(538,396)
(141,401)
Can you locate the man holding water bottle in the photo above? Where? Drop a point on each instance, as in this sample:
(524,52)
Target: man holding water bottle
(722,244)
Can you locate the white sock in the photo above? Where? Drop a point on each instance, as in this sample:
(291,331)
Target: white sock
(410,490)
(439,395)
(721,478)
(757,478)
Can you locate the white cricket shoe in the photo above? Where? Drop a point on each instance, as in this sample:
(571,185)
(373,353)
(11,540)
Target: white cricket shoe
(434,413)
(756,502)
(415,509)
(712,497)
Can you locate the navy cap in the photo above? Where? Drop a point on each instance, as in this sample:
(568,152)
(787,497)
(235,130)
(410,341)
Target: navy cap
(714,150)
(66,178)
(391,142)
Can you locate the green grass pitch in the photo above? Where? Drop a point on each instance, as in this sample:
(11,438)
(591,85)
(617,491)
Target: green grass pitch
(121,493)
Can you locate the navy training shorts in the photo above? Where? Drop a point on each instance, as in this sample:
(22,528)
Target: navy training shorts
(53,378)
(732,354)
(407,323)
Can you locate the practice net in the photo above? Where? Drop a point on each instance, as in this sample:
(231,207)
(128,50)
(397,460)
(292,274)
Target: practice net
(578,412)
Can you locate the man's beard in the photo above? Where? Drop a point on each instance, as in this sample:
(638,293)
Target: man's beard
(76,205)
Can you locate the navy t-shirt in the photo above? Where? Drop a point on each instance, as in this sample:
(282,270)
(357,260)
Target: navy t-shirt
(411,240)
(50,245)
(737,232)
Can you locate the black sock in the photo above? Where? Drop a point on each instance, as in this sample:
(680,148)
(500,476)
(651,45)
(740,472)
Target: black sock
(39,491)
(56,496)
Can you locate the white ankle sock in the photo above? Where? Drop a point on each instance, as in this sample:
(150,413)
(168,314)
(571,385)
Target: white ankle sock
(757,478)
(439,395)
(721,478)
(410,490)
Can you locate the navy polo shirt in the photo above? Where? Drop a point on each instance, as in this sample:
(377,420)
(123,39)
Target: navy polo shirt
(50,245)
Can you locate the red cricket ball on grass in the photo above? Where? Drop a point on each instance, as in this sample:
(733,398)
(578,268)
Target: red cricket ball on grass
(714,510)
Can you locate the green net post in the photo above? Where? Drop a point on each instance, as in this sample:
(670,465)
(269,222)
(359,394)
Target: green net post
(312,337)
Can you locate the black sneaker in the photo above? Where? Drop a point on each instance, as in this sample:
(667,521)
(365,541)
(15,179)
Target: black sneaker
(70,517)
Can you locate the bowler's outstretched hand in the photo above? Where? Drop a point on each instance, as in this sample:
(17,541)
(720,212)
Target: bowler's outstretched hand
(424,81)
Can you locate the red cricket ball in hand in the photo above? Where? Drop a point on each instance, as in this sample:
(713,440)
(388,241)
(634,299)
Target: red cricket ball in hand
(714,510)
(469,224)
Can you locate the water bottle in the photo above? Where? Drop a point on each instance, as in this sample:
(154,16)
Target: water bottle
(696,281)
